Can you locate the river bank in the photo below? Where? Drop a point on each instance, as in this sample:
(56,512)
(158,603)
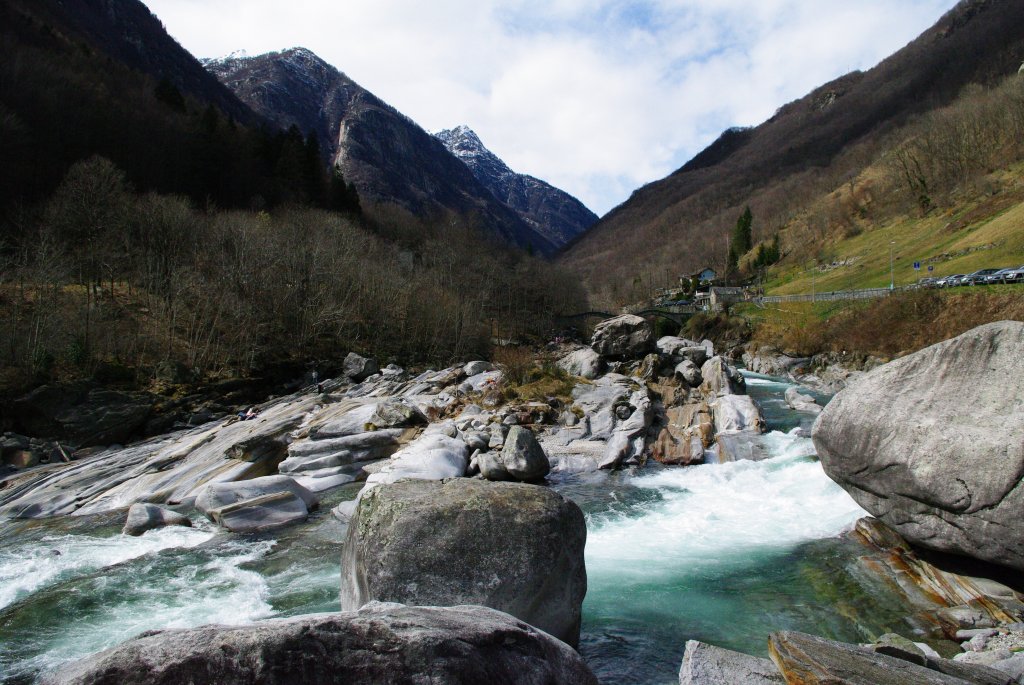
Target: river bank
(747,543)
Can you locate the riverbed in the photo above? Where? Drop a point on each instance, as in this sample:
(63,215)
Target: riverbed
(723,553)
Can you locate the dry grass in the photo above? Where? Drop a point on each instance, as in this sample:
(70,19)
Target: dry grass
(890,327)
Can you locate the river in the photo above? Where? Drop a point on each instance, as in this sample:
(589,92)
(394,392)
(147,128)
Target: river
(723,553)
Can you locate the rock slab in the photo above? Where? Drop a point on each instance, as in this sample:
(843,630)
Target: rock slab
(933,444)
(514,547)
(381,643)
(705,664)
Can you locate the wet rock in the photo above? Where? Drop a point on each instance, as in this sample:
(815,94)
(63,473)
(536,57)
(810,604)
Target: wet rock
(143,517)
(409,542)
(624,337)
(798,401)
(941,460)
(814,660)
(171,469)
(359,368)
(312,455)
(257,504)
(705,664)
(380,643)
(584,362)
(679,442)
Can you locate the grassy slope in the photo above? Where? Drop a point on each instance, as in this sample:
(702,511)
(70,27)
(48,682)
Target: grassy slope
(979,233)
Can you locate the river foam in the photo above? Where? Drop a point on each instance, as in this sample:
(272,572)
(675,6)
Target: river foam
(714,514)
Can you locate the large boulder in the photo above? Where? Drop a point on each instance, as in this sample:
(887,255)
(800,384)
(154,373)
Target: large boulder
(380,643)
(359,368)
(257,504)
(705,664)
(143,517)
(521,458)
(514,547)
(624,337)
(584,362)
(933,444)
(737,413)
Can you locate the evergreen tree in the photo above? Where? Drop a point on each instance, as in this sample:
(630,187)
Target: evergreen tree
(742,235)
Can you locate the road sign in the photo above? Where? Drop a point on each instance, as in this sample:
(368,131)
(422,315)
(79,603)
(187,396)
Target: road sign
(931,267)
(917,266)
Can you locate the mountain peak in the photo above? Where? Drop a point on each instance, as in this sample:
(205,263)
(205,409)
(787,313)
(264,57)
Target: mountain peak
(553,212)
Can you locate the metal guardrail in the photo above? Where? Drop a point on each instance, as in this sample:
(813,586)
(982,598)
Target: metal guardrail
(866,294)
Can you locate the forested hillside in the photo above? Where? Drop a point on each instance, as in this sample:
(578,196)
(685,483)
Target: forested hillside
(141,223)
(911,135)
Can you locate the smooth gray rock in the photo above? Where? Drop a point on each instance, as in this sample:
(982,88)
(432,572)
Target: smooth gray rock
(380,643)
(511,546)
(933,444)
(705,664)
(359,368)
(433,456)
(721,379)
(311,455)
(670,345)
(624,337)
(257,504)
(798,401)
(171,469)
(476,367)
(143,517)
(689,372)
(584,362)
(737,413)
(698,355)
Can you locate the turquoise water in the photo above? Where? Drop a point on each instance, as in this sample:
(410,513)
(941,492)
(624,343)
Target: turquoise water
(721,553)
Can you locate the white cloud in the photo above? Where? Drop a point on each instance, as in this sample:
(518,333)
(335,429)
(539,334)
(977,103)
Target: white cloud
(596,96)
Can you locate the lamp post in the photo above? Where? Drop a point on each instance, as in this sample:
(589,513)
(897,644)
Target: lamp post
(892,282)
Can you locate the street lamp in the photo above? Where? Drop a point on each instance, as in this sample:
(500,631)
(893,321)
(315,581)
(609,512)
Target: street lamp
(892,282)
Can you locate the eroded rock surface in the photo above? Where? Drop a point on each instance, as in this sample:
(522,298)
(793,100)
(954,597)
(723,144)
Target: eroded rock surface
(380,643)
(933,444)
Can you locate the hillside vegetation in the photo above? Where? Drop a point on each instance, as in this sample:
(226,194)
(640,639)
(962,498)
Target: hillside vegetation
(922,136)
(141,225)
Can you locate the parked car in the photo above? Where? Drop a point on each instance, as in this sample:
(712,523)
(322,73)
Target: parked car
(927,282)
(978,277)
(949,281)
(1014,276)
(997,277)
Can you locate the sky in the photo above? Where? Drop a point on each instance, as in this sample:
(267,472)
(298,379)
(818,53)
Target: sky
(597,97)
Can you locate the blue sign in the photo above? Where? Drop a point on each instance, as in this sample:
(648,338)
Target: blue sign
(917,266)
(931,267)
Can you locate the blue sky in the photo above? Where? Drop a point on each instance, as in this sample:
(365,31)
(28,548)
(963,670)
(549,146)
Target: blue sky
(597,97)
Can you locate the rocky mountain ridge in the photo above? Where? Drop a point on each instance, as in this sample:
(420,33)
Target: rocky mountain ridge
(388,157)
(553,212)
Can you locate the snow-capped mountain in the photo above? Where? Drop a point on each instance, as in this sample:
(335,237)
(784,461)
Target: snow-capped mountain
(388,157)
(553,212)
